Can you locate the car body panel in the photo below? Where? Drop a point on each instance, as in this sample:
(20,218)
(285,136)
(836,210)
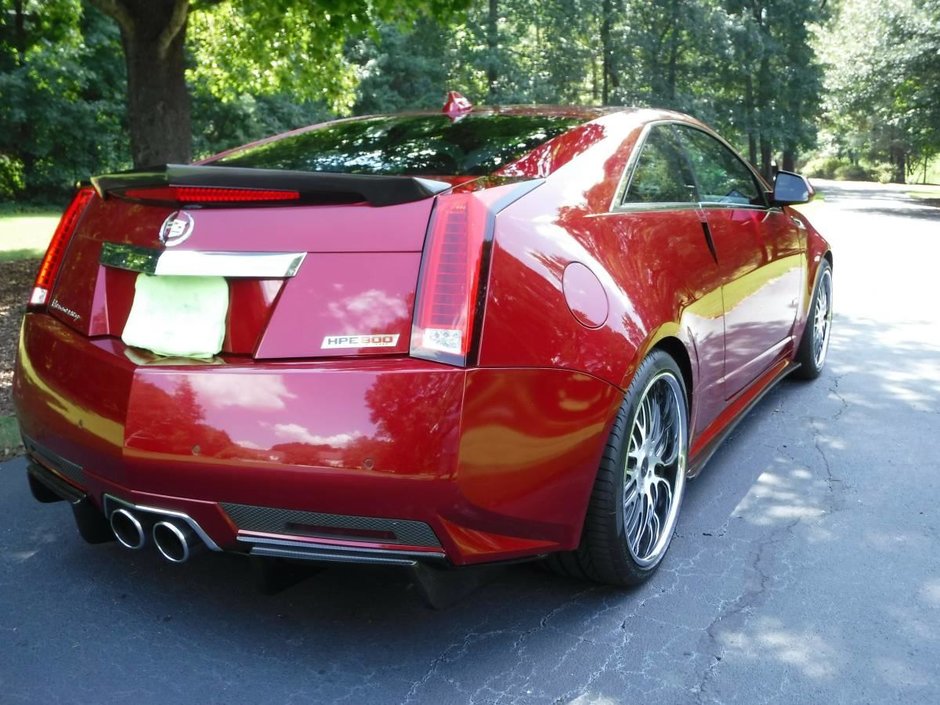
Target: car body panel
(498,457)
(760,254)
(399,438)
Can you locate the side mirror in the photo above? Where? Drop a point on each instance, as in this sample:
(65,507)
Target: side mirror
(790,188)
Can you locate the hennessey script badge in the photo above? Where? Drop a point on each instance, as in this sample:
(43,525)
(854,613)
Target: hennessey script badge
(176,228)
(64,309)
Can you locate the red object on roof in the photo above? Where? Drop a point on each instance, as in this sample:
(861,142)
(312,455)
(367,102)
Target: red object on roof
(456,104)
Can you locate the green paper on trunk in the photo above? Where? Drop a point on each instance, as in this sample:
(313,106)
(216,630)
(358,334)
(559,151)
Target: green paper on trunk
(178,316)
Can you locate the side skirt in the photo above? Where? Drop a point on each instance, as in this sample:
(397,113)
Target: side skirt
(739,410)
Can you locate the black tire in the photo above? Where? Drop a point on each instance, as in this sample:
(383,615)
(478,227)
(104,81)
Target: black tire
(612,548)
(814,345)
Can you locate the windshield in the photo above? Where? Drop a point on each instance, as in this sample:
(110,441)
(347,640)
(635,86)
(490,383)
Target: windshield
(474,145)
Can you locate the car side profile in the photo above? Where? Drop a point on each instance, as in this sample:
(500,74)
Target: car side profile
(436,339)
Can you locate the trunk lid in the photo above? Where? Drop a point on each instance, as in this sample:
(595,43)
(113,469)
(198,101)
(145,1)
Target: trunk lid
(304,281)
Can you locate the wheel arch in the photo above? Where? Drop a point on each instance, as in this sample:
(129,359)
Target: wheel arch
(676,349)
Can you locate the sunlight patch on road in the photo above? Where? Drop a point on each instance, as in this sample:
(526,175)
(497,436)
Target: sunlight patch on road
(779,497)
(804,649)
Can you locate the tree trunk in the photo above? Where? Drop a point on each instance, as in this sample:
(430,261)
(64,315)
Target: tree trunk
(492,43)
(789,158)
(609,77)
(595,90)
(898,159)
(750,120)
(19,32)
(766,158)
(673,55)
(153,33)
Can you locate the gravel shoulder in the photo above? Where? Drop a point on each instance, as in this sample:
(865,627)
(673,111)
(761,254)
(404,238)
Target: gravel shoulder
(16,278)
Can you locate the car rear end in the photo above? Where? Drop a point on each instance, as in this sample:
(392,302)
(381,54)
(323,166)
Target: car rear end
(261,355)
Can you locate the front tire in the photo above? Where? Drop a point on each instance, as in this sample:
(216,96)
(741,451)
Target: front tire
(640,482)
(814,345)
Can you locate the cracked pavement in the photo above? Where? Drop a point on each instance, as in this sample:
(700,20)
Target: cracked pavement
(805,567)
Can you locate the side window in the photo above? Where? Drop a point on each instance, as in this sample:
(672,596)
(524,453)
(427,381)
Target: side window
(722,177)
(661,174)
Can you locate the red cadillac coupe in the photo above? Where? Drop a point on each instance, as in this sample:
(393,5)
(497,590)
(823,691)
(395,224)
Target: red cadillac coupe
(437,339)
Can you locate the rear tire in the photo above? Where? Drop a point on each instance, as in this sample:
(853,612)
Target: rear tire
(635,503)
(814,345)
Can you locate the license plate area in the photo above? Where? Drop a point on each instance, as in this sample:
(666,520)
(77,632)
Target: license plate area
(178,316)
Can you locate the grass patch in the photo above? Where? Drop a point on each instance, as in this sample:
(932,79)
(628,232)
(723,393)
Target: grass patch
(10,442)
(925,192)
(813,206)
(22,233)
(16,255)
(14,208)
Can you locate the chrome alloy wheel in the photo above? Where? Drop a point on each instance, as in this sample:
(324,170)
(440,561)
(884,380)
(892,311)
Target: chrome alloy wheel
(655,469)
(822,318)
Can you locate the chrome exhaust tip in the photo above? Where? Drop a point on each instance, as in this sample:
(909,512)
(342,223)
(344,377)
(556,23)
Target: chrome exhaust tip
(128,530)
(175,542)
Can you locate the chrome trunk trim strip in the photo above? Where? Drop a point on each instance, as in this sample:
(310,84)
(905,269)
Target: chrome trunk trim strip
(189,263)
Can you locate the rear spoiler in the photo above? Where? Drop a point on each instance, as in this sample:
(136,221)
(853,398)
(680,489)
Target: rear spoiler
(186,184)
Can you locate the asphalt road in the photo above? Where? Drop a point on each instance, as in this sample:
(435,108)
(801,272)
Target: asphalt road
(805,568)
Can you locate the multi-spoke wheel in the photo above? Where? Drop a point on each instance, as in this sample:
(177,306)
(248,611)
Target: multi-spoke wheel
(815,342)
(654,474)
(638,491)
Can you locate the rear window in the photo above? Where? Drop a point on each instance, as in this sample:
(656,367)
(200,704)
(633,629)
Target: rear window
(474,145)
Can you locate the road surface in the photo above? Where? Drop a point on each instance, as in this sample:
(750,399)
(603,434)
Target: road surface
(805,569)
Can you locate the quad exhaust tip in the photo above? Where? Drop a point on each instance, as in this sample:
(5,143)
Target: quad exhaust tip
(128,530)
(175,542)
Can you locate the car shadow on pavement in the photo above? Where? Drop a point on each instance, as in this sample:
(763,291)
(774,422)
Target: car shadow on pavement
(767,519)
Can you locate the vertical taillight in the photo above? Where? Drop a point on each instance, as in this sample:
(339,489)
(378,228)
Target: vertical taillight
(56,251)
(448,287)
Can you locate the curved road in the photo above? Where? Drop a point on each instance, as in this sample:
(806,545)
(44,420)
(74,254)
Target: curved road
(805,568)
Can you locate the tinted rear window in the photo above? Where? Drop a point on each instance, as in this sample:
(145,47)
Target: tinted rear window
(415,145)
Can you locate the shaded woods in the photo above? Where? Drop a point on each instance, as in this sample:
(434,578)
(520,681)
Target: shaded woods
(851,86)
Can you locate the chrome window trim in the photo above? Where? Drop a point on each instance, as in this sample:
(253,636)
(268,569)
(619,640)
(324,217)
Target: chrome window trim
(708,206)
(663,206)
(617,202)
(758,179)
(617,205)
(190,263)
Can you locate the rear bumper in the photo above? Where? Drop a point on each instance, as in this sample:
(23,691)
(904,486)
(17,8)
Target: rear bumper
(348,459)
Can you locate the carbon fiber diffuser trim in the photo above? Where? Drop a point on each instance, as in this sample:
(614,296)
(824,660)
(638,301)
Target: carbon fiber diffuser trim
(56,463)
(291,522)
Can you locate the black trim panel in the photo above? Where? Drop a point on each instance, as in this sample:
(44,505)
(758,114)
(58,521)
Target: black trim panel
(704,455)
(54,462)
(314,187)
(294,522)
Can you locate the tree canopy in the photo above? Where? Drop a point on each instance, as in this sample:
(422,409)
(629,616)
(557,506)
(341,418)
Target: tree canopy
(98,85)
(883,82)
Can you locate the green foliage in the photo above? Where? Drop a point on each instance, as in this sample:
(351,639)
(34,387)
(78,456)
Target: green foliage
(11,176)
(222,124)
(256,67)
(883,80)
(10,440)
(747,68)
(852,172)
(823,167)
(265,47)
(401,70)
(62,111)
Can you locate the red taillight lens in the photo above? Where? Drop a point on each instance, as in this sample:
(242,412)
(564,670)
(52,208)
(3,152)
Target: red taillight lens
(56,250)
(209,194)
(445,309)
